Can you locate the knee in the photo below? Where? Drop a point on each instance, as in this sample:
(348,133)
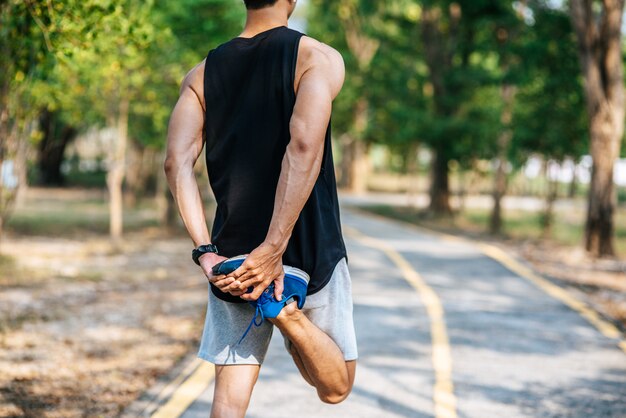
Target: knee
(223,409)
(335,396)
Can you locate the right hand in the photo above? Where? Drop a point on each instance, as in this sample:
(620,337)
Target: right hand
(207,261)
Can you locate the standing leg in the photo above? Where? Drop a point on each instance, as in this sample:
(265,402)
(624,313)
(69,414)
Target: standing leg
(233,388)
(237,365)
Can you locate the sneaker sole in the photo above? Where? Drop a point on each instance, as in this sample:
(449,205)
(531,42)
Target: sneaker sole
(297,273)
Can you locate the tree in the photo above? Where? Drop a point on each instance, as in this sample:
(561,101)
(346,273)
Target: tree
(24,46)
(188,30)
(549,116)
(56,135)
(462,57)
(350,26)
(598,28)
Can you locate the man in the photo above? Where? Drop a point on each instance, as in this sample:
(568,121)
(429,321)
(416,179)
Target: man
(261,104)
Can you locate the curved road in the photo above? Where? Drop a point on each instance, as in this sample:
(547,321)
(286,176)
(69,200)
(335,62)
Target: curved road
(443,331)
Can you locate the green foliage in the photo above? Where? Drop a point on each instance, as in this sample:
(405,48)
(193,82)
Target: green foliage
(455,103)
(550,117)
(83,56)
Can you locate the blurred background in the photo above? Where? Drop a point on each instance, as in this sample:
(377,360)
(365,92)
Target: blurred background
(494,119)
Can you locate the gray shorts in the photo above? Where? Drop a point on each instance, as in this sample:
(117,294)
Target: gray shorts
(330,309)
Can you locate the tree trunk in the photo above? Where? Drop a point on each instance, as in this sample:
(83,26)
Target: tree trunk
(439,37)
(21,162)
(548,214)
(600,54)
(345,142)
(56,137)
(355,164)
(462,193)
(573,185)
(10,162)
(360,167)
(134,175)
(412,174)
(115,175)
(507,94)
(355,168)
(4,138)
(440,183)
(599,228)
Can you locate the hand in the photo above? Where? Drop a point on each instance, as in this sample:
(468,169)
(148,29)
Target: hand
(261,267)
(207,261)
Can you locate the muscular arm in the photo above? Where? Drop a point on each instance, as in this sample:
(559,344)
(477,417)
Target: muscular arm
(184,145)
(300,168)
(321,80)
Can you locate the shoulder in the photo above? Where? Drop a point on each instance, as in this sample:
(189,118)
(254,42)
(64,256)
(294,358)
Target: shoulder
(325,59)
(194,80)
(315,52)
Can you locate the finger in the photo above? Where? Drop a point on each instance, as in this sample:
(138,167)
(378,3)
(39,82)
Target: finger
(251,281)
(234,286)
(236,293)
(240,275)
(278,288)
(255,294)
(248,297)
(221,284)
(213,279)
(247,266)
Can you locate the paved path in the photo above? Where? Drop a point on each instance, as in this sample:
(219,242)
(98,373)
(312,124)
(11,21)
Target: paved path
(446,331)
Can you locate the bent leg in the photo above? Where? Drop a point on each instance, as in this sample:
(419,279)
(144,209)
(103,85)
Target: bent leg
(233,388)
(319,359)
(351,365)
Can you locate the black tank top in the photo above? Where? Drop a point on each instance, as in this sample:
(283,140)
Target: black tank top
(249,96)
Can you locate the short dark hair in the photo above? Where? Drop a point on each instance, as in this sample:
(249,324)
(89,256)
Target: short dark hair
(258,4)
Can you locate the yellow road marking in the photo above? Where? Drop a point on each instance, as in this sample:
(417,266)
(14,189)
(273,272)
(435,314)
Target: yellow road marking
(605,327)
(187,392)
(443,394)
(167,391)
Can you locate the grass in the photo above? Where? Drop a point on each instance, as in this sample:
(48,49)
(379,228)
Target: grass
(7,263)
(53,213)
(567,229)
(74,217)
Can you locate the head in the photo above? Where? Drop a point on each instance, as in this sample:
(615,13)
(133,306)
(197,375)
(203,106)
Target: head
(289,5)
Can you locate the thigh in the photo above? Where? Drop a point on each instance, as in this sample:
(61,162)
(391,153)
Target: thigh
(224,325)
(233,389)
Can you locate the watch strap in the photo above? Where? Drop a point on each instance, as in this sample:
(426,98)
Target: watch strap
(199,251)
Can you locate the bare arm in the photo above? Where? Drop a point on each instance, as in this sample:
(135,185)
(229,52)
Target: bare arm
(184,146)
(320,82)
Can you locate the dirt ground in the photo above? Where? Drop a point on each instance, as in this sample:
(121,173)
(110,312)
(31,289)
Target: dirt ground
(84,330)
(601,283)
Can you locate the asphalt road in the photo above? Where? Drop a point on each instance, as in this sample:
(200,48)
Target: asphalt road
(446,331)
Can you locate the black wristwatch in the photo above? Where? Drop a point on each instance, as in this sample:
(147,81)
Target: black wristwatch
(196,253)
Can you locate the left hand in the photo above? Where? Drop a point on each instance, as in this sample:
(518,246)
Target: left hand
(262,266)
(207,261)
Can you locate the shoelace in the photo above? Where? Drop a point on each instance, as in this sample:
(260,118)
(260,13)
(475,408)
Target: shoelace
(258,312)
(265,296)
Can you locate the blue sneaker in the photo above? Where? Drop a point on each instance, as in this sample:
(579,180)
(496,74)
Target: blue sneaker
(295,286)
